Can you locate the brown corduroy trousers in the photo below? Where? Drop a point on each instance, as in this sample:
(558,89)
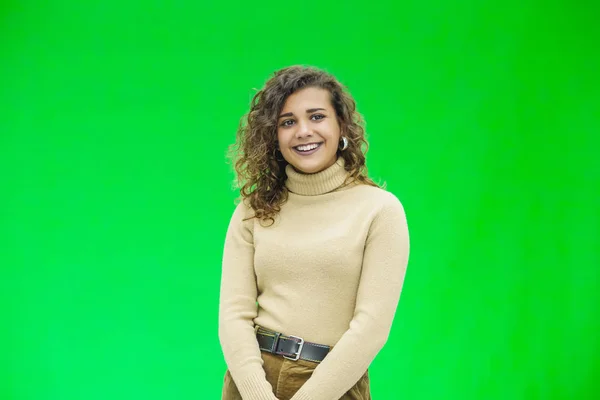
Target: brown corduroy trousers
(287,376)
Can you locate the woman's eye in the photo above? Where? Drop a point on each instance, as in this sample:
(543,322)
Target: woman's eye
(290,122)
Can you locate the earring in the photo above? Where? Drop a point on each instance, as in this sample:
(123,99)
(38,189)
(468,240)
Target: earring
(344,142)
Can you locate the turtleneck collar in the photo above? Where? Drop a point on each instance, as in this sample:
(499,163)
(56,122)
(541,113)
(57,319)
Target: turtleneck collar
(322,182)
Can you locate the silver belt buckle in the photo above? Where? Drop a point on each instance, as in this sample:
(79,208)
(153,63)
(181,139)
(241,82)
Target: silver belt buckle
(297,357)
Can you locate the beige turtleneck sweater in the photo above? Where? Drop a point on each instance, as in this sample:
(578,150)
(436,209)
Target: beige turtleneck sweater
(330,270)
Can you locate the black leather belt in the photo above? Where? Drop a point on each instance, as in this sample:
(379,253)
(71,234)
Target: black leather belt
(290,347)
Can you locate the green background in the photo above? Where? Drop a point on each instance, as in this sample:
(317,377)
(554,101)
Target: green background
(115,119)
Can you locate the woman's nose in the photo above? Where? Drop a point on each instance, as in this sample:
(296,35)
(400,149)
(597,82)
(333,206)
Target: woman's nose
(304,129)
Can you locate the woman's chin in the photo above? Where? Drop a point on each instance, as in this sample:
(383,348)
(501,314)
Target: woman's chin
(310,167)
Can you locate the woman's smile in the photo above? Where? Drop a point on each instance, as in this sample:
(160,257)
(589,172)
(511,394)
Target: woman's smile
(307,150)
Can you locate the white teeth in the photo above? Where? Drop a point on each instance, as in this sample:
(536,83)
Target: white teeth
(307,147)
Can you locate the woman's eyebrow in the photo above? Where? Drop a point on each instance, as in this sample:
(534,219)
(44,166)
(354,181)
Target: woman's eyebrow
(310,110)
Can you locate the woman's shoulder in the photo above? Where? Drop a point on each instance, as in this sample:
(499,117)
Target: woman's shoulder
(243,210)
(382,204)
(377,195)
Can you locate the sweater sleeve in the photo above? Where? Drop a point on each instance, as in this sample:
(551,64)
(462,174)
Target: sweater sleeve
(237,309)
(384,265)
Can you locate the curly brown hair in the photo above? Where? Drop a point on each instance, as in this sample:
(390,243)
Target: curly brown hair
(258,162)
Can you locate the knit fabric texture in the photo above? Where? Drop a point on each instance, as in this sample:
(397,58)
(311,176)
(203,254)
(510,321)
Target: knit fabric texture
(330,270)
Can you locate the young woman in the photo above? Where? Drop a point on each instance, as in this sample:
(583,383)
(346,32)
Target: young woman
(315,253)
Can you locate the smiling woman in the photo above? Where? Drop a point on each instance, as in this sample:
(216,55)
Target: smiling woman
(305,307)
(309,128)
(287,112)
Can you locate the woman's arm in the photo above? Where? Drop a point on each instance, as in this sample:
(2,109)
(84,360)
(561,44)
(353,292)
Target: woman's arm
(237,309)
(384,266)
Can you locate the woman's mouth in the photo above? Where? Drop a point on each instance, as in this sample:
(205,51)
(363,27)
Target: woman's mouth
(307,149)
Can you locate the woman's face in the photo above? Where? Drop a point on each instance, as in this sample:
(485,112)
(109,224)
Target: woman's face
(308,131)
